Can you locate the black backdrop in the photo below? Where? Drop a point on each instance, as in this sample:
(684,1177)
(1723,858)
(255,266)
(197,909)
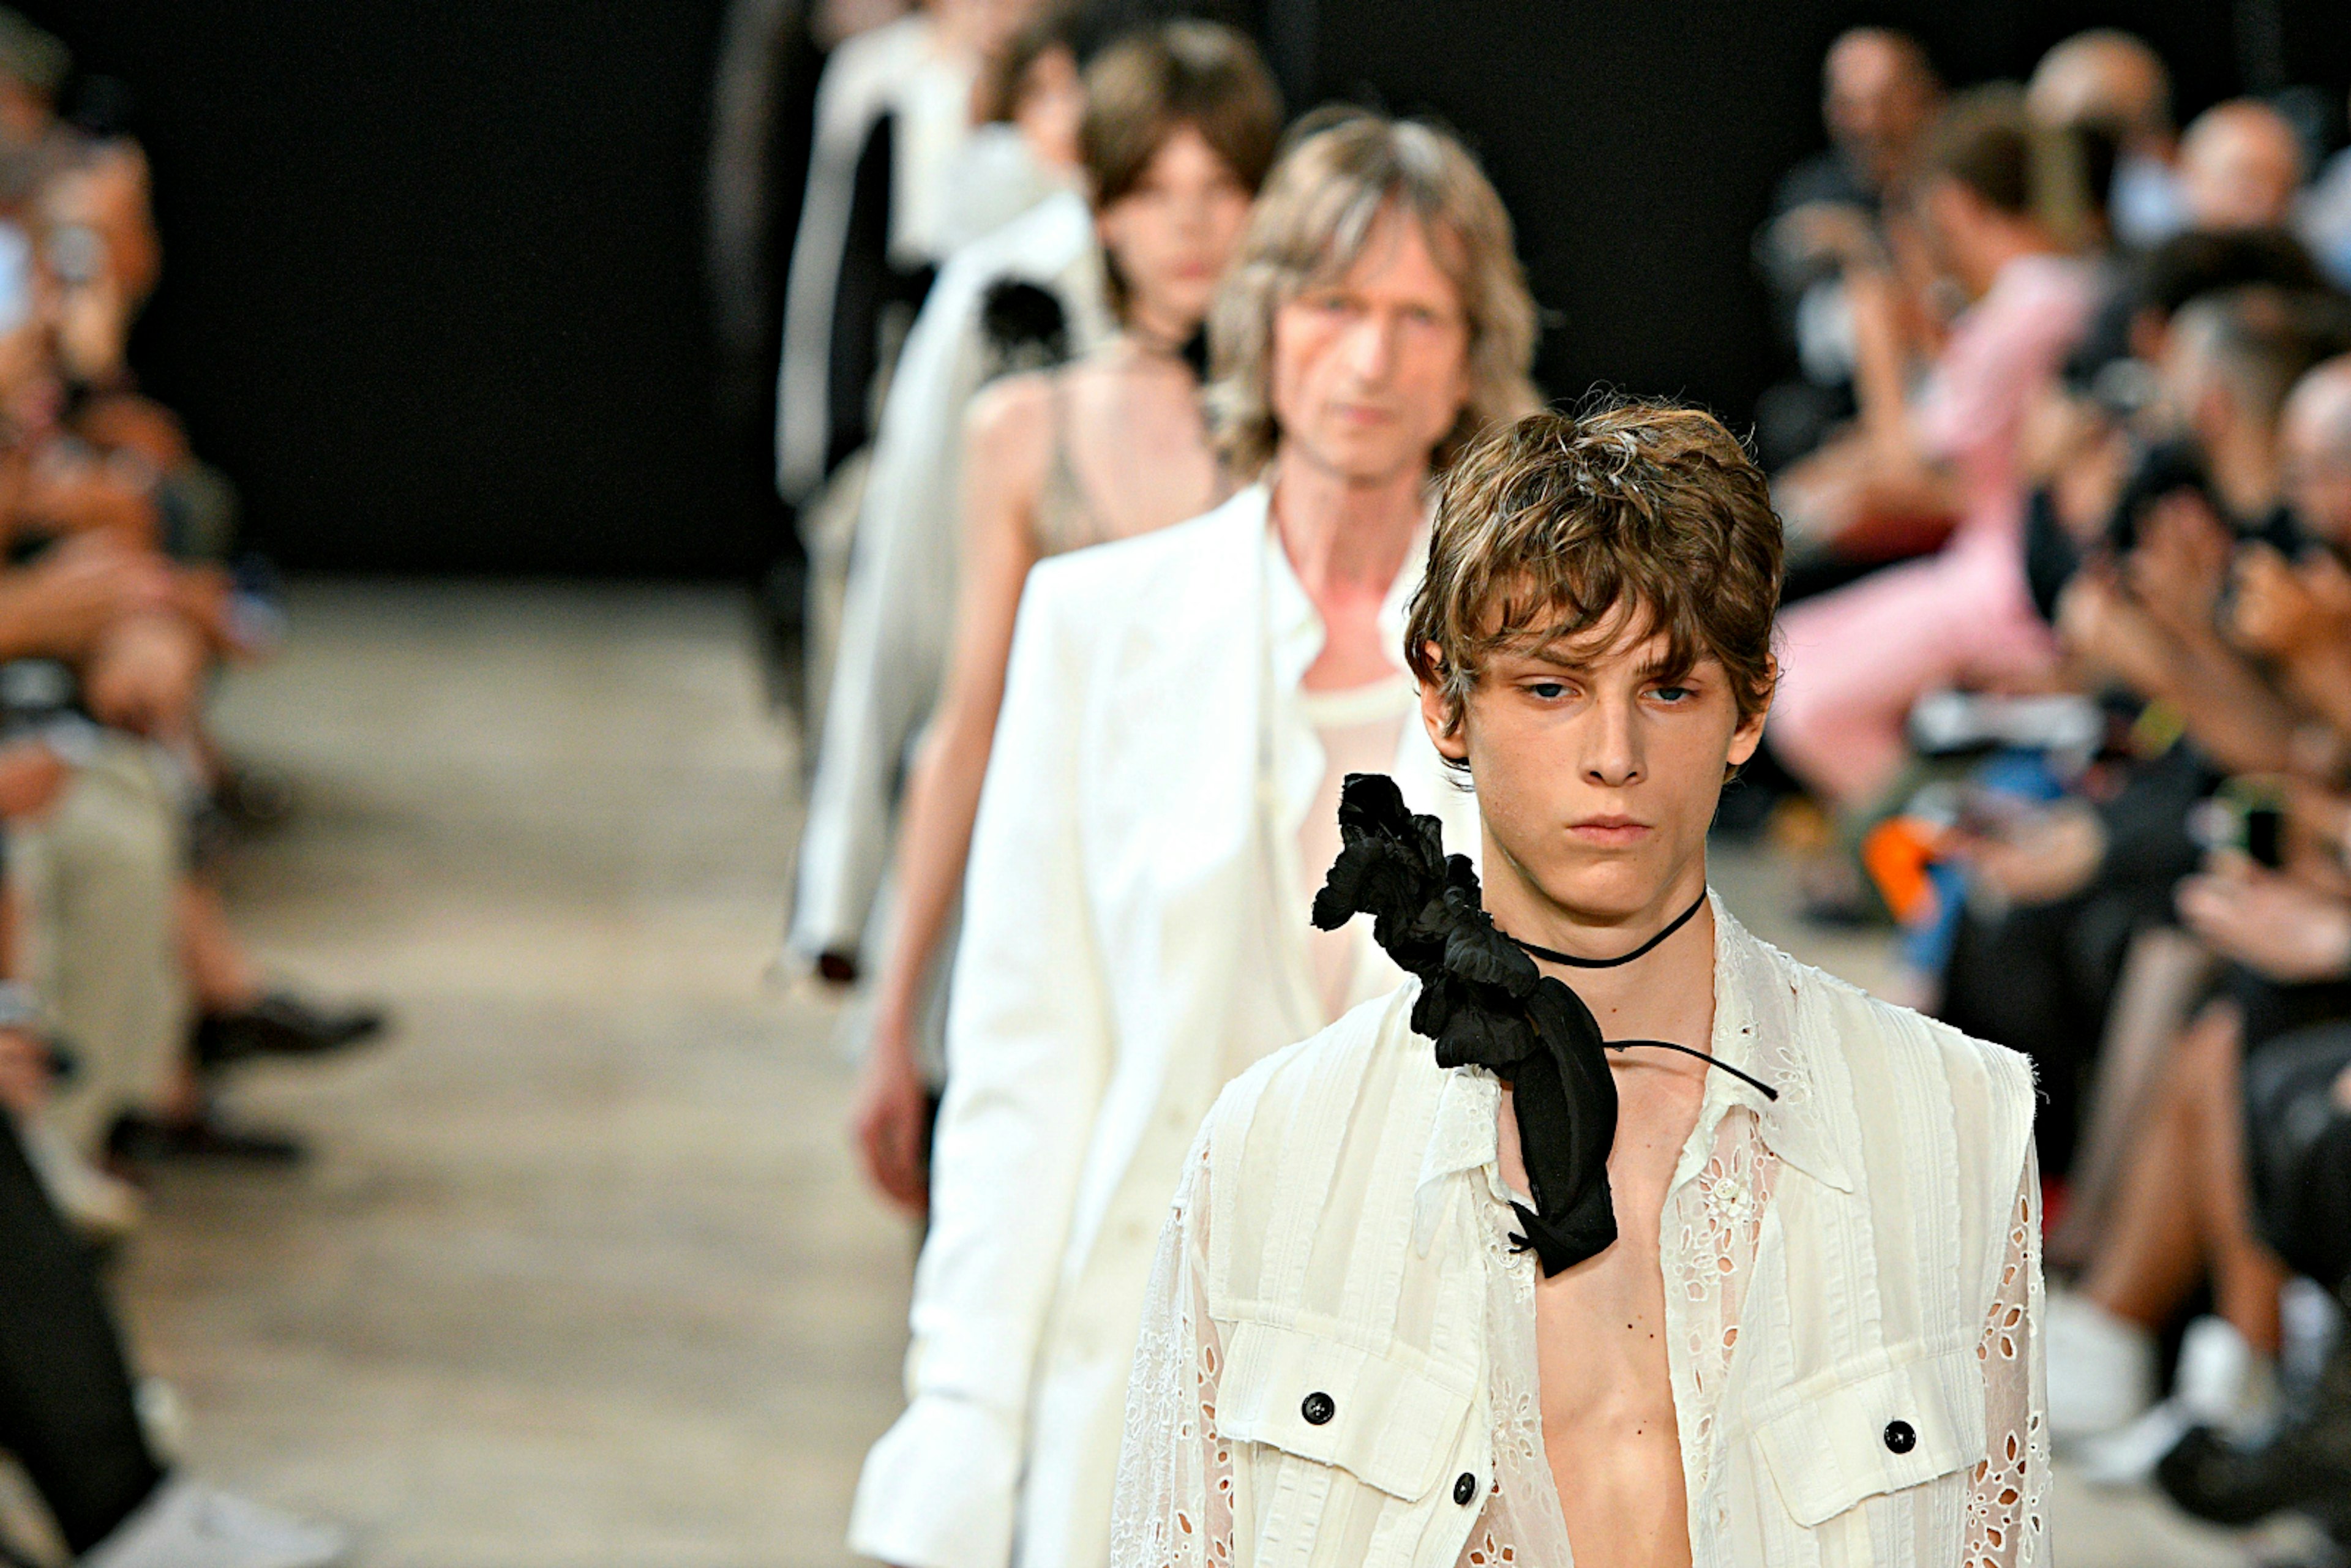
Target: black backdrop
(433,283)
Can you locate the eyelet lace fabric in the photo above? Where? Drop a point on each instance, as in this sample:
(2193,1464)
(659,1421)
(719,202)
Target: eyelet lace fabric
(1174,1507)
(1714,1222)
(2008,1519)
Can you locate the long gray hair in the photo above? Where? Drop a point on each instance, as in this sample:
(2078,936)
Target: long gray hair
(1319,210)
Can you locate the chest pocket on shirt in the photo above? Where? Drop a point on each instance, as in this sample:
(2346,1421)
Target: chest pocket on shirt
(1391,1422)
(1878,1424)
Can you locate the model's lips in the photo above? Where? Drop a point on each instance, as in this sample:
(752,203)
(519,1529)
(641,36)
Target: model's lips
(1609,830)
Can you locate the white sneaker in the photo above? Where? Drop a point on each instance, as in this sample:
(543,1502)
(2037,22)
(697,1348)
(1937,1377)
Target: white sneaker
(2101,1368)
(2222,1382)
(103,1207)
(186,1525)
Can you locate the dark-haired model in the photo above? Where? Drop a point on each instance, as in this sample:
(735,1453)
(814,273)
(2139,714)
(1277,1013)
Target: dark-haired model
(1613,1234)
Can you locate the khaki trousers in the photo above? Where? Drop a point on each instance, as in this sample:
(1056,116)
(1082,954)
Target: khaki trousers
(99,874)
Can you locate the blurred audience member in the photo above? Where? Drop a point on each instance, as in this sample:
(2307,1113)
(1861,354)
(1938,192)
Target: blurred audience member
(2240,167)
(1878,97)
(2324,218)
(1856,659)
(2110,81)
(69,1414)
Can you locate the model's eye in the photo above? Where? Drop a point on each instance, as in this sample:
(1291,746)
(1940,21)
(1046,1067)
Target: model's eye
(1549,691)
(1673,694)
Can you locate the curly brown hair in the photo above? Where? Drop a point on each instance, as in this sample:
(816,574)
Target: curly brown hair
(1551,525)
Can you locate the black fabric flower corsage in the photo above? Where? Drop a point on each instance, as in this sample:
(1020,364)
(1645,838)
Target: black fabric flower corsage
(1485,1003)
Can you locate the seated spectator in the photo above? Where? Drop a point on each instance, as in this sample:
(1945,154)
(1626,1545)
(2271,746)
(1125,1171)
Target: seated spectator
(107,644)
(2323,219)
(2110,80)
(2238,1178)
(1878,97)
(1855,660)
(2240,167)
(68,1412)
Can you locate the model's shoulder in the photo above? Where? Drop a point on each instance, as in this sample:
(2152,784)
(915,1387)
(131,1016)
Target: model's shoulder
(1874,1033)
(1014,408)
(864,68)
(1328,1069)
(1161,566)
(1034,246)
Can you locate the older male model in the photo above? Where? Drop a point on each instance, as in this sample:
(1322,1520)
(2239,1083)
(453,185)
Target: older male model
(1161,802)
(1613,1236)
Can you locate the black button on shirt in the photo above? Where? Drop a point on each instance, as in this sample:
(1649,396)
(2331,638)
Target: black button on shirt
(1318,1409)
(1465,1489)
(1901,1437)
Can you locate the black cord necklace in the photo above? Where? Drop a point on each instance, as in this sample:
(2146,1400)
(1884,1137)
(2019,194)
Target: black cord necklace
(1642,951)
(1550,955)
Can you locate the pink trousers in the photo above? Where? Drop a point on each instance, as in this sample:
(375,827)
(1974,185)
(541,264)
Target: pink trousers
(1852,662)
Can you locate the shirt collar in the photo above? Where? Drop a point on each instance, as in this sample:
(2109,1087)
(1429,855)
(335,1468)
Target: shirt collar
(1760,1028)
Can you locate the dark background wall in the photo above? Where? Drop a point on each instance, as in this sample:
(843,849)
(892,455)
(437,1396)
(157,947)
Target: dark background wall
(433,282)
(431,291)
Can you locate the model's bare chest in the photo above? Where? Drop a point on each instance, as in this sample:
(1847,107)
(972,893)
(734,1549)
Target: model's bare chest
(1605,1380)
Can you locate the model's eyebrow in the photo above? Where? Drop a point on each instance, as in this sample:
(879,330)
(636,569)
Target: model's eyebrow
(1579,663)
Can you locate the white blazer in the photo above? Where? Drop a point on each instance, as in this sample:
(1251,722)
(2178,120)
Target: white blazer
(899,614)
(1135,935)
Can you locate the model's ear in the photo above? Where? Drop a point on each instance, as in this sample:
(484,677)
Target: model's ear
(1449,730)
(1750,733)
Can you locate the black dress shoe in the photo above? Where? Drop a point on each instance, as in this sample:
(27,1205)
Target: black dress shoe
(2304,1468)
(282,1024)
(148,1141)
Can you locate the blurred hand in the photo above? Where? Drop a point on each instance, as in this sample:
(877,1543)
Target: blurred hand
(2318,816)
(2041,858)
(24,1072)
(144,676)
(2327,580)
(2112,635)
(2181,562)
(1831,233)
(888,1121)
(2271,924)
(31,776)
(62,603)
(2273,613)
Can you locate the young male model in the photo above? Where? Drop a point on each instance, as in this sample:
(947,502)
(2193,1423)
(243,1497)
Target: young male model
(1160,805)
(1710,1259)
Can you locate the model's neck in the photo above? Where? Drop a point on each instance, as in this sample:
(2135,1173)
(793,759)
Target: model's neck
(1154,329)
(2008,242)
(1668,993)
(1345,536)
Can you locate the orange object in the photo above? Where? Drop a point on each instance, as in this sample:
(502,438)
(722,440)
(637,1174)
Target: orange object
(1896,853)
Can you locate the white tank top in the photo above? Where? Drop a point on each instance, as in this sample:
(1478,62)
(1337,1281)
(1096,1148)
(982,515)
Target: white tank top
(1360,728)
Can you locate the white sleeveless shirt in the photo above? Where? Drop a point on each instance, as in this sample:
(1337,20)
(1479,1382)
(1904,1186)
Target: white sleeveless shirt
(1337,1364)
